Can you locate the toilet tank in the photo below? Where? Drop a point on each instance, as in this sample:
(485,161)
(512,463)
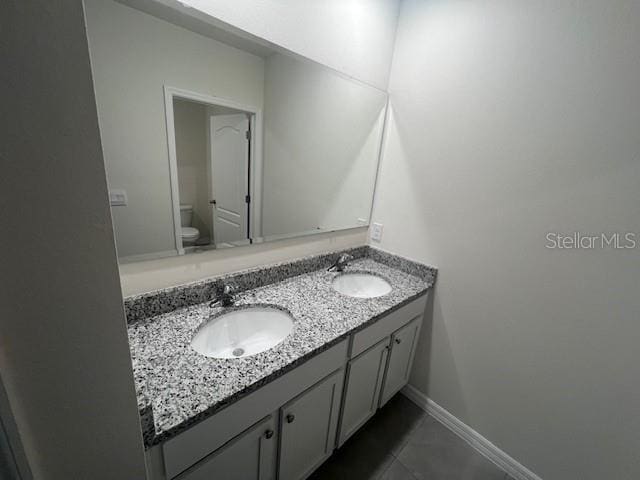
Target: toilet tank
(186,215)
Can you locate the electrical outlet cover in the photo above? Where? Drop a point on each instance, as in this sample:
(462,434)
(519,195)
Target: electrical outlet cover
(376,232)
(118,198)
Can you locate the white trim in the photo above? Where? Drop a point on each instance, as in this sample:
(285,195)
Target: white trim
(256,150)
(479,443)
(173,167)
(382,146)
(209,168)
(212,208)
(256,175)
(208,99)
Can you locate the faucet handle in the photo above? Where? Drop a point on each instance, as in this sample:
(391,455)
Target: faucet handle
(225,289)
(339,264)
(224,296)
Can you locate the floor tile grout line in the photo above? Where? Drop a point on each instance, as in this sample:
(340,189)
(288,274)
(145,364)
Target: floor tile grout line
(395,438)
(409,437)
(411,434)
(381,475)
(396,458)
(408,470)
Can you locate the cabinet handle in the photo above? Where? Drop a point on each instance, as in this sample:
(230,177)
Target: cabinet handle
(398,341)
(290,418)
(268,434)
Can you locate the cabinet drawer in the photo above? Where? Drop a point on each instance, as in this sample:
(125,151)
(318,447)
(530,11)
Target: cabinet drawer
(387,325)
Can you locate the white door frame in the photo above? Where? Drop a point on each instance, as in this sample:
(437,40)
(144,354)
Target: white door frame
(255,158)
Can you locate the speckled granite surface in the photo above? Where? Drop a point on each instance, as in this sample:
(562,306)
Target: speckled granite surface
(161,301)
(178,387)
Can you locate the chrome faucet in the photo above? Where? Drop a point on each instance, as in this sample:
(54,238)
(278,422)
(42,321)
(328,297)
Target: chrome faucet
(224,297)
(340,263)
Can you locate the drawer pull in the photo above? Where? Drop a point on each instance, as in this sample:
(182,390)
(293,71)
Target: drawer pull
(290,418)
(398,341)
(268,434)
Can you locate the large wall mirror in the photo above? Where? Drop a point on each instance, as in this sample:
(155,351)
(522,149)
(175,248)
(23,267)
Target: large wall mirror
(212,143)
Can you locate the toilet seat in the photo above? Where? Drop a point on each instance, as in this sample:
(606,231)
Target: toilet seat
(190,234)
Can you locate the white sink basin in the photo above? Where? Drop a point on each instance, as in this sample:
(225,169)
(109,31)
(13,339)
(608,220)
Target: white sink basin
(361,285)
(241,333)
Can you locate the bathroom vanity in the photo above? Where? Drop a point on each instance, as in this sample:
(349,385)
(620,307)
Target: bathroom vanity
(281,412)
(217,145)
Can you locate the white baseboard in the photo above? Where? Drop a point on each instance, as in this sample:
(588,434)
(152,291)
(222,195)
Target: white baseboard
(469,435)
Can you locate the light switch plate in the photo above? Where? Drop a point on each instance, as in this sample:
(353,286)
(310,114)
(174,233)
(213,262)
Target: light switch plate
(118,198)
(376,232)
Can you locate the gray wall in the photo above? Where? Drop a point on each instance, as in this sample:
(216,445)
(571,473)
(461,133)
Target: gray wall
(192,158)
(330,32)
(64,356)
(512,119)
(321,147)
(133,56)
(354,37)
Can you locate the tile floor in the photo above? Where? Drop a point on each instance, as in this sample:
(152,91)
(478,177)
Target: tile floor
(401,442)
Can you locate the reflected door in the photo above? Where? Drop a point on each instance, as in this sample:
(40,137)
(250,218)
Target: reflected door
(229,177)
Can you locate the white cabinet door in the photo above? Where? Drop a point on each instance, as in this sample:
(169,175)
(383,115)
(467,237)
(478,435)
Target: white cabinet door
(308,428)
(403,347)
(249,456)
(364,381)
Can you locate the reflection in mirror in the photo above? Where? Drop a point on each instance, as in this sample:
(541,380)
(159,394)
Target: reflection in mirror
(211,154)
(211,145)
(321,146)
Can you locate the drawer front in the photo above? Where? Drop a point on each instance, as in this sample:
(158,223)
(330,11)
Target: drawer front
(385,326)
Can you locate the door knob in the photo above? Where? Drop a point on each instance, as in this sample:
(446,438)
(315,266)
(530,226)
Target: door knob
(268,434)
(290,418)
(212,202)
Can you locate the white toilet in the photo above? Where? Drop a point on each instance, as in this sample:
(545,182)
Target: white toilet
(189,233)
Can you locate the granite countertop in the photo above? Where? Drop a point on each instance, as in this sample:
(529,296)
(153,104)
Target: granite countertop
(178,387)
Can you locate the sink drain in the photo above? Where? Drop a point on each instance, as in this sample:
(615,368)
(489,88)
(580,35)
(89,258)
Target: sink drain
(237,352)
